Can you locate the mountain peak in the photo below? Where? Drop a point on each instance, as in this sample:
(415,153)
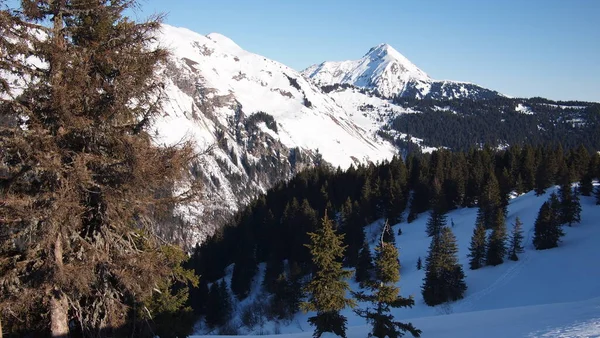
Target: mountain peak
(382,68)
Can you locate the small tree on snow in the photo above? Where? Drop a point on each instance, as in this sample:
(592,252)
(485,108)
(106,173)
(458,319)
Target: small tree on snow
(516,240)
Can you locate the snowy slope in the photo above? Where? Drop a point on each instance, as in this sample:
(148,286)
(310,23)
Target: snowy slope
(253,83)
(213,88)
(388,73)
(549,293)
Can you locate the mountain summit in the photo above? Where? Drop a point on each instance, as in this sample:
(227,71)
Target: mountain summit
(388,73)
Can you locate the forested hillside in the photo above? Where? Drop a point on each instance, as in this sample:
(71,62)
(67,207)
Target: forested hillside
(273,229)
(460,124)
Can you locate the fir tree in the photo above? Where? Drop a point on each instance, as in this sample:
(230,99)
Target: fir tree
(327,289)
(496,248)
(419,264)
(88,185)
(477,249)
(547,228)
(244,271)
(490,203)
(273,271)
(516,240)
(287,293)
(384,294)
(444,276)
(570,206)
(352,228)
(365,266)
(219,305)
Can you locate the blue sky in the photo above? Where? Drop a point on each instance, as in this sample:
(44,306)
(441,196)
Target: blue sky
(548,48)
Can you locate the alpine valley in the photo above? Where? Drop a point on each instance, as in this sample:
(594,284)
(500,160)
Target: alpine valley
(259,122)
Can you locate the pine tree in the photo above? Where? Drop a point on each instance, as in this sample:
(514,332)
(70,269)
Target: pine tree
(496,248)
(547,228)
(219,305)
(570,206)
(384,294)
(351,227)
(490,203)
(477,249)
(244,271)
(273,271)
(516,240)
(327,288)
(419,264)
(365,267)
(286,297)
(444,276)
(87,183)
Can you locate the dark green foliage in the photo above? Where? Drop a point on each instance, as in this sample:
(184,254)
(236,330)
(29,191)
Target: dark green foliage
(495,122)
(490,204)
(516,240)
(570,206)
(219,306)
(477,249)
(384,295)
(199,297)
(365,267)
(496,247)
(244,271)
(419,264)
(352,228)
(437,218)
(287,293)
(327,288)
(278,221)
(254,119)
(547,229)
(444,276)
(273,271)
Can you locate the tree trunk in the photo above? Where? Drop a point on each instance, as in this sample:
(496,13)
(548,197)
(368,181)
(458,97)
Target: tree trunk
(58,317)
(59,320)
(0,327)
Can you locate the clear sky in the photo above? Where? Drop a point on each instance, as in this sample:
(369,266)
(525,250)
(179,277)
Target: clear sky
(548,48)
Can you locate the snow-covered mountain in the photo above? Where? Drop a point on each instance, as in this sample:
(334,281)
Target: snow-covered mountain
(263,120)
(388,73)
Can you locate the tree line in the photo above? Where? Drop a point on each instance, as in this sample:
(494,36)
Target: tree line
(276,227)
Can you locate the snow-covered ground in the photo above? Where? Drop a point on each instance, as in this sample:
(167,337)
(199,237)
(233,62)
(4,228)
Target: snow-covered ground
(550,293)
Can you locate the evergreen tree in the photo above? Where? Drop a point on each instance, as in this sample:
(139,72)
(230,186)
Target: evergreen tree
(364,268)
(437,217)
(86,185)
(570,206)
(244,271)
(388,233)
(273,271)
(496,248)
(444,276)
(351,227)
(477,249)
(516,240)
(384,294)
(490,203)
(219,305)
(419,264)
(547,228)
(287,293)
(327,289)
(586,185)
